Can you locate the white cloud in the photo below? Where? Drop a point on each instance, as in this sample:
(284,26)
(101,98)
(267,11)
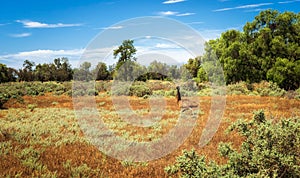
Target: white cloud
(185,14)
(32,24)
(113,28)
(173,1)
(165,46)
(195,23)
(147,54)
(40,56)
(21,35)
(173,13)
(243,7)
(287,2)
(167,13)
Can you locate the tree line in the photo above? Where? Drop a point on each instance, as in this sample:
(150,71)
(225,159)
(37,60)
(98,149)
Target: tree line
(266,49)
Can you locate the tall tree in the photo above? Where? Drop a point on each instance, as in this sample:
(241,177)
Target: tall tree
(27,73)
(267,45)
(125,53)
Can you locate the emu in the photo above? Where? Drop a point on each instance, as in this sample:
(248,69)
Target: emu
(178,95)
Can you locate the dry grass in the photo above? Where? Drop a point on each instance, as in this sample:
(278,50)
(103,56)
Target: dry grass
(71,158)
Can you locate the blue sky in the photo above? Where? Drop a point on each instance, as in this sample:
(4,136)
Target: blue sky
(42,30)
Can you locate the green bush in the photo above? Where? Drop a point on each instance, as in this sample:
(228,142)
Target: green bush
(4,98)
(240,88)
(119,89)
(192,165)
(270,149)
(92,92)
(159,93)
(139,90)
(297,93)
(268,89)
(170,93)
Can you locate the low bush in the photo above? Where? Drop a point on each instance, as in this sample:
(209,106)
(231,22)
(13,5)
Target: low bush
(140,90)
(268,89)
(120,88)
(159,93)
(270,149)
(297,93)
(240,88)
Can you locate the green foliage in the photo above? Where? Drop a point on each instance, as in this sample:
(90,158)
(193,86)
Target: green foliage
(7,74)
(5,147)
(30,158)
(139,90)
(266,49)
(270,149)
(3,98)
(193,65)
(268,89)
(19,89)
(191,165)
(125,52)
(241,88)
(81,171)
(101,71)
(285,73)
(59,70)
(83,73)
(120,88)
(129,71)
(201,75)
(31,107)
(297,93)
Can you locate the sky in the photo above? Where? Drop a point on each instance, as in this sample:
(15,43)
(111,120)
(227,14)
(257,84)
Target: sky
(41,31)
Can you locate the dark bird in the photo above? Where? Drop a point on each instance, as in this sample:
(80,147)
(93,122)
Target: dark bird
(178,95)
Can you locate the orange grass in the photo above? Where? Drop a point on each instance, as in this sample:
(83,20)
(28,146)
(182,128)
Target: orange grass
(80,153)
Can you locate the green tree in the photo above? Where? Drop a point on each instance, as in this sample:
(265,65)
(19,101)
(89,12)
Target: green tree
(253,54)
(7,74)
(27,73)
(83,73)
(101,71)
(193,66)
(125,52)
(285,73)
(63,69)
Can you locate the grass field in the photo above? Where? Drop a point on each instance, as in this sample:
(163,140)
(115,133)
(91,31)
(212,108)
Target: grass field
(41,136)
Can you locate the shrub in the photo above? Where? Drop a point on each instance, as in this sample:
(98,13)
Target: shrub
(170,93)
(240,88)
(92,92)
(3,98)
(269,89)
(270,149)
(159,93)
(297,93)
(139,90)
(192,165)
(120,89)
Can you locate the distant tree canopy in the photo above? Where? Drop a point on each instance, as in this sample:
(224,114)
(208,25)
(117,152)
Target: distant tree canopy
(7,74)
(267,49)
(59,70)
